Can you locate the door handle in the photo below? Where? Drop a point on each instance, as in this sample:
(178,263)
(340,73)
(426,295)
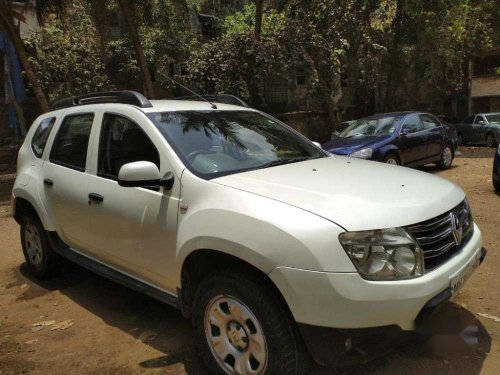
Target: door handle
(96,197)
(48,182)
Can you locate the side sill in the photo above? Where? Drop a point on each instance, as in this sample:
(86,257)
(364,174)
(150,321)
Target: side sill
(101,269)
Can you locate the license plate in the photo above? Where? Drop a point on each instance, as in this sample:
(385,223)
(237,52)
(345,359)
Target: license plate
(458,281)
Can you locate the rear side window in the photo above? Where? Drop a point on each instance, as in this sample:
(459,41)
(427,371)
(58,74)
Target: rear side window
(412,124)
(41,135)
(72,140)
(122,141)
(429,122)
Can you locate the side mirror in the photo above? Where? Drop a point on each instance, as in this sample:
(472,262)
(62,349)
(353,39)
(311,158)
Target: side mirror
(317,144)
(480,122)
(143,174)
(405,132)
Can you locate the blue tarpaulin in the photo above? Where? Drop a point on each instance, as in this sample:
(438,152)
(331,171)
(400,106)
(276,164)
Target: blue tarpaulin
(14,83)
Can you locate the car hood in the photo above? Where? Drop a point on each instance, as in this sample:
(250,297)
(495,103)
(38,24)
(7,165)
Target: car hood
(355,194)
(345,146)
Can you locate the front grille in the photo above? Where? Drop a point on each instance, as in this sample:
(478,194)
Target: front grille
(437,238)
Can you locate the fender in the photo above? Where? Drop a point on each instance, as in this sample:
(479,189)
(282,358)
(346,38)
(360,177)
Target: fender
(31,198)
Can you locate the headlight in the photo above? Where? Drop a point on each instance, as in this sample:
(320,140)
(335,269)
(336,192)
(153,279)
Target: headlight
(365,153)
(387,254)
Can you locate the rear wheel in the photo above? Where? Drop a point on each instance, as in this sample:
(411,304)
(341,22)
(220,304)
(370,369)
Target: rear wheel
(446,157)
(241,327)
(490,140)
(37,251)
(392,159)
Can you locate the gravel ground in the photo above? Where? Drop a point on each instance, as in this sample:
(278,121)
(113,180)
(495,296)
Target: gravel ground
(109,329)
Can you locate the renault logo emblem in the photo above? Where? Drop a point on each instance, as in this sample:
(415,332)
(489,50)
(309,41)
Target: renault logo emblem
(456,228)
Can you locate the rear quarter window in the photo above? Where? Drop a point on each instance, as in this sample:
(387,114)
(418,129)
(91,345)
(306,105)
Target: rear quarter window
(41,135)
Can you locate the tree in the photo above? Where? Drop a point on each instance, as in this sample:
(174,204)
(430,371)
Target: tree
(128,12)
(258,19)
(63,53)
(7,22)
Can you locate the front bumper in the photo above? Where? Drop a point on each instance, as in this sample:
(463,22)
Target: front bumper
(345,347)
(346,300)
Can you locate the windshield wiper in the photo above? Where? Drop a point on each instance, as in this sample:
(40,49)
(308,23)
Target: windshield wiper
(274,163)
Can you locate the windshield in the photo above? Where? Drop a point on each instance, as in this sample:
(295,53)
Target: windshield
(216,143)
(370,127)
(494,119)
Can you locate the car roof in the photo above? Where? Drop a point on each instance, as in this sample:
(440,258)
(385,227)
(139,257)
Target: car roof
(486,113)
(160,106)
(190,105)
(393,114)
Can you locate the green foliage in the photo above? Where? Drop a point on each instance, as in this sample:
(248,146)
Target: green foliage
(63,54)
(244,21)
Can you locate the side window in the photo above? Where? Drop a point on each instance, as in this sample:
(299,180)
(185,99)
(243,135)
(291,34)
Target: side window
(122,141)
(412,124)
(72,140)
(428,122)
(479,120)
(41,135)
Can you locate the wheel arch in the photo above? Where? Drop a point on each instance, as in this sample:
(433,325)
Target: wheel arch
(25,204)
(202,262)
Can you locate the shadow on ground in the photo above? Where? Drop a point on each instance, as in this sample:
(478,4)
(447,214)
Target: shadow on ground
(455,341)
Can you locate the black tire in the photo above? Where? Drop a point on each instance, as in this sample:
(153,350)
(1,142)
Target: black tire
(285,351)
(42,261)
(496,185)
(392,159)
(490,140)
(447,156)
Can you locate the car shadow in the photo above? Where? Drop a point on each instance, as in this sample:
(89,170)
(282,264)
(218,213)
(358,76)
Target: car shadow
(455,341)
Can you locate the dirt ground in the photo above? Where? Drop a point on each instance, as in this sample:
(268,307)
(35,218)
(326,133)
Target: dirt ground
(118,331)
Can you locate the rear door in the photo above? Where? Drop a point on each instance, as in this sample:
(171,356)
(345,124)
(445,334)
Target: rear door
(133,229)
(412,146)
(65,179)
(433,135)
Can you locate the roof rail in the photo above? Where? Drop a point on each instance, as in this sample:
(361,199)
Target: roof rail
(223,98)
(123,97)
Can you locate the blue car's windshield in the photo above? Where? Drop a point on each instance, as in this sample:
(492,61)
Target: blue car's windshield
(370,127)
(216,143)
(494,118)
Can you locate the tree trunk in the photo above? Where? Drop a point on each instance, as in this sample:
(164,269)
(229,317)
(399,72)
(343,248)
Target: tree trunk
(258,19)
(7,22)
(128,15)
(395,63)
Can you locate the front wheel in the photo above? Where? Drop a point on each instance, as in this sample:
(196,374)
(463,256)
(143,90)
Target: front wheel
(391,159)
(446,157)
(242,328)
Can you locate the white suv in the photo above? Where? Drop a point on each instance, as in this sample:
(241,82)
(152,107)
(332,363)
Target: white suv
(273,247)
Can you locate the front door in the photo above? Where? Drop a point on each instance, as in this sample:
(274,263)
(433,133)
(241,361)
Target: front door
(133,229)
(65,180)
(479,130)
(412,147)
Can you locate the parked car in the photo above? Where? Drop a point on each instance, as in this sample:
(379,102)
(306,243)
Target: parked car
(402,138)
(482,128)
(274,248)
(340,128)
(496,170)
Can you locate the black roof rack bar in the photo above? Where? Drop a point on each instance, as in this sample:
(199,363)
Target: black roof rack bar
(122,97)
(223,98)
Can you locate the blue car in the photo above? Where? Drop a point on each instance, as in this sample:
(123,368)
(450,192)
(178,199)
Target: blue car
(402,138)
(496,170)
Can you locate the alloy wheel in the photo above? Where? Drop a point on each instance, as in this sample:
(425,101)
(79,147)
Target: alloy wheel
(235,336)
(490,140)
(447,156)
(392,160)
